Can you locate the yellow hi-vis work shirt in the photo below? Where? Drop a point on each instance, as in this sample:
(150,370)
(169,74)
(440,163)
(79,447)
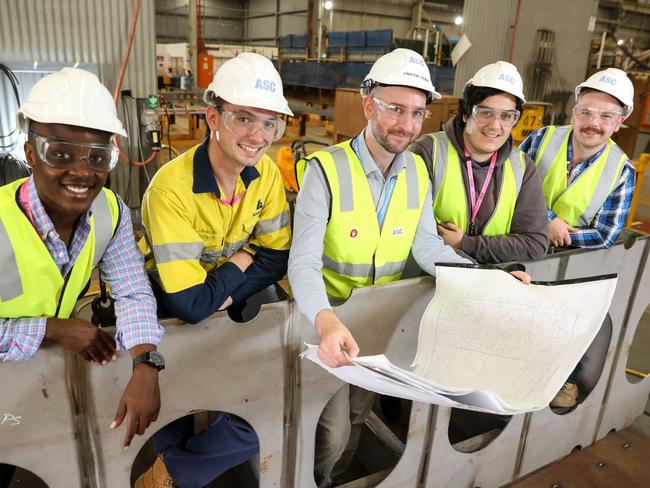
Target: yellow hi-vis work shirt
(190,231)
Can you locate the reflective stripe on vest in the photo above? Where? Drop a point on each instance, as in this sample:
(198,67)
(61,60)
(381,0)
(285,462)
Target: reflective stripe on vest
(356,252)
(578,203)
(31,284)
(450,201)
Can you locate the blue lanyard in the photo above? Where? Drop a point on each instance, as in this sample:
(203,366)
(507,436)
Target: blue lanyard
(381,215)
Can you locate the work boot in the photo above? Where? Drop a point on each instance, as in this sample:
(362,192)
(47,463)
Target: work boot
(566,397)
(156,476)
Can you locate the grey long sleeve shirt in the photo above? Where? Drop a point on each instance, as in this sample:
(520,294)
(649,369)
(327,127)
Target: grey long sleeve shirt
(311,217)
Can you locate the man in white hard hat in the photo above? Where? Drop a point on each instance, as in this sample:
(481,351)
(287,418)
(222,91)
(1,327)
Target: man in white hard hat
(217,231)
(60,223)
(340,188)
(487,196)
(588,180)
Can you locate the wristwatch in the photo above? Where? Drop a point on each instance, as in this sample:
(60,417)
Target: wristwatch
(152,358)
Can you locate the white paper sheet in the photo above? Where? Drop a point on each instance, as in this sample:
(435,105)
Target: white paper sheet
(488,342)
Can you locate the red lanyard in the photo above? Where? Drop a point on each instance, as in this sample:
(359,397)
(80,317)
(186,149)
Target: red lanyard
(476,202)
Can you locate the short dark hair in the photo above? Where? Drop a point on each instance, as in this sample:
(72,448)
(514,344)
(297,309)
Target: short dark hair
(473,95)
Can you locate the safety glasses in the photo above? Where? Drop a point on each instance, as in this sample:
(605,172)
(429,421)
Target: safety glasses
(587,114)
(396,112)
(485,115)
(242,123)
(63,154)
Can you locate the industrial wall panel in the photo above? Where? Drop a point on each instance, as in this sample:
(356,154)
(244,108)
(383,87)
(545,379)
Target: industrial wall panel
(487,25)
(63,32)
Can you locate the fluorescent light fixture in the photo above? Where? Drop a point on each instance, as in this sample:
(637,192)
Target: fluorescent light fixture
(328,5)
(458,20)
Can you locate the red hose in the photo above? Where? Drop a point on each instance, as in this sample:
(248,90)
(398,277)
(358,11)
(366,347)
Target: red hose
(120,79)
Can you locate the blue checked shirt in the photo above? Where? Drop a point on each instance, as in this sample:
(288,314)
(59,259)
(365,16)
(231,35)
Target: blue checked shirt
(122,267)
(611,217)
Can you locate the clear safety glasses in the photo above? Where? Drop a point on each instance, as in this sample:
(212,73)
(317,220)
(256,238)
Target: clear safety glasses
(396,112)
(485,115)
(63,155)
(587,114)
(242,123)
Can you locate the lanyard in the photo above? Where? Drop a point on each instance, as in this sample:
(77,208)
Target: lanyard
(381,215)
(476,202)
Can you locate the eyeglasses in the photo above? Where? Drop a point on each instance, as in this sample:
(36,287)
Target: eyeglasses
(63,154)
(395,112)
(242,123)
(587,114)
(485,115)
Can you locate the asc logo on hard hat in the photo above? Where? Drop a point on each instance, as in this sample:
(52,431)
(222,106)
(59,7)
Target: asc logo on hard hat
(607,79)
(415,60)
(266,85)
(507,78)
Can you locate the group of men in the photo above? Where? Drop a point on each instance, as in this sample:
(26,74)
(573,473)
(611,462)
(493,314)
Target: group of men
(217,225)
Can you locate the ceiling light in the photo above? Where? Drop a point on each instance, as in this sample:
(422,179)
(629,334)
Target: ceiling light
(458,20)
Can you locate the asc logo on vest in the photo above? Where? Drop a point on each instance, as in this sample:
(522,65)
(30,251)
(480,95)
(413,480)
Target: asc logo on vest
(266,85)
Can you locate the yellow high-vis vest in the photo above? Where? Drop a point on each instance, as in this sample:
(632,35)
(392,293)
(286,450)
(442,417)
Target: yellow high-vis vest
(450,202)
(31,284)
(356,252)
(578,203)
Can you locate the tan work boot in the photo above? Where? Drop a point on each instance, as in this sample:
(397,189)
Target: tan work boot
(156,476)
(566,397)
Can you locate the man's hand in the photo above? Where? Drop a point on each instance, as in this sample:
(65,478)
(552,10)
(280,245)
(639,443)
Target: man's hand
(81,337)
(242,260)
(334,336)
(558,232)
(521,276)
(140,403)
(451,234)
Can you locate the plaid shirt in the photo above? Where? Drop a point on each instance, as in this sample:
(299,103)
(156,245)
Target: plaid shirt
(122,267)
(611,217)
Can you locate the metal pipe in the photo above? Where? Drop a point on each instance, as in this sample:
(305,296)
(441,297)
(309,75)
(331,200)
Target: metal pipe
(514,31)
(600,51)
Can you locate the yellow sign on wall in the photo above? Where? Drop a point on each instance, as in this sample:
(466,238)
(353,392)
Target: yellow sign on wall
(532,118)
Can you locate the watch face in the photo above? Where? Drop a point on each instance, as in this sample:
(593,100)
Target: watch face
(156,359)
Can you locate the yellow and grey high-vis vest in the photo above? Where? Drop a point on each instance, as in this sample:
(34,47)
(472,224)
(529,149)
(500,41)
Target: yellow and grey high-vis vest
(31,284)
(357,252)
(578,203)
(450,200)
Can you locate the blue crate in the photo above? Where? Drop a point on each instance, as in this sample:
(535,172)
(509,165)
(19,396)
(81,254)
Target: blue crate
(356,38)
(443,78)
(299,40)
(284,41)
(339,39)
(381,37)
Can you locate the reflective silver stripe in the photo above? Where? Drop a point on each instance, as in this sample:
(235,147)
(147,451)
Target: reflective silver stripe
(271,225)
(441,148)
(348,269)
(545,160)
(177,251)
(103,226)
(518,164)
(389,269)
(10,283)
(602,190)
(412,190)
(210,256)
(230,248)
(340,157)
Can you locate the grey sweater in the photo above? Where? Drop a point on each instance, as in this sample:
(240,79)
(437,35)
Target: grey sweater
(528,238)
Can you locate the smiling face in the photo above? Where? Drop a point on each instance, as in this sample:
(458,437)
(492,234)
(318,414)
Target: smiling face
(247,148)
(66,192)
(482,139)
(393,129)
(605,117)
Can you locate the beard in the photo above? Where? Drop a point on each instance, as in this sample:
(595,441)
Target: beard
(382,136)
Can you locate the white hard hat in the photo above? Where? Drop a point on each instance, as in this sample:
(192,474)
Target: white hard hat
(501,76)
(614,82)
(71,96)
(250,80)
(401,67)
